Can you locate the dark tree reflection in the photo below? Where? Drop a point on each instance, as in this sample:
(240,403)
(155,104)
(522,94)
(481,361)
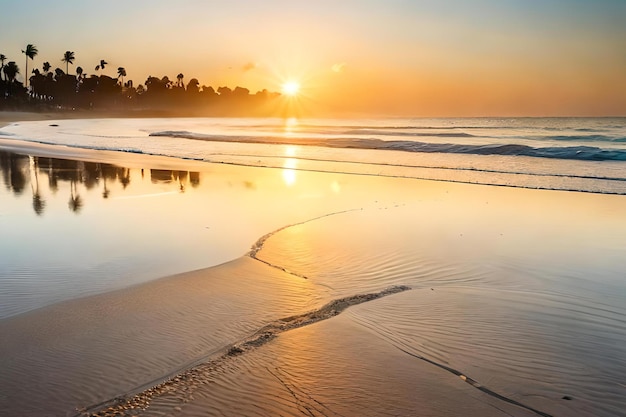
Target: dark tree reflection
(18,170)
(194,179)
(39,204)
(76,202)
(161,176)
(124,177)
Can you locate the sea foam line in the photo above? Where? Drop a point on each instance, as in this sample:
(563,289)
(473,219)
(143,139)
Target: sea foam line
(426,178)
(434,167)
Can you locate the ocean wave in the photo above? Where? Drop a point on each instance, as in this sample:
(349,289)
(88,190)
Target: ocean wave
(361,128)
(447,125)
(582,138)
(580,153)
(380,132)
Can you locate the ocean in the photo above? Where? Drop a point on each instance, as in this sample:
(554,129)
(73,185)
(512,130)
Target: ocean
(573,154)
(510,234)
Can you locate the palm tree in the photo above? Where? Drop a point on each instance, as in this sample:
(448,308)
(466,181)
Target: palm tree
(10,71)
(121,72)
(68,58)
(30,52)
(46,67)
(2,59)
(102,65)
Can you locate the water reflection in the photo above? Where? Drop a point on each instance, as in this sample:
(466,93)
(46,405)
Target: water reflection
(76,202)
(183,178)
(73,228)
(46,174)
(38,202)
(290,166)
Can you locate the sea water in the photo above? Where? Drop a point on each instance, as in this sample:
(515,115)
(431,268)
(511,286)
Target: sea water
(574,154)
(521,290)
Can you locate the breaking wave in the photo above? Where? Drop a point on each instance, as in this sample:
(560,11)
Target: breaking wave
(581,153)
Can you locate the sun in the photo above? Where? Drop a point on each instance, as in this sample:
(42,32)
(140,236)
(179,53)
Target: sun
(291,88)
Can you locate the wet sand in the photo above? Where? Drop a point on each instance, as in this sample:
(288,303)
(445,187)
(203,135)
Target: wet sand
(261,335)
(8,117)
(79,352)
(222,358)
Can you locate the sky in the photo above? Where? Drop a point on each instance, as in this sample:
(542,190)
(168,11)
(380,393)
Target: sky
(419,58)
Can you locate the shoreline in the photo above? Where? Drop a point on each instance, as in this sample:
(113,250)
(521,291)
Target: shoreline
(9,116)
(93,155)
(129,159)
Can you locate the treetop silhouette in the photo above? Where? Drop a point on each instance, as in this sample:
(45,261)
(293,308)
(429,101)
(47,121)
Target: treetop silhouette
(58,89)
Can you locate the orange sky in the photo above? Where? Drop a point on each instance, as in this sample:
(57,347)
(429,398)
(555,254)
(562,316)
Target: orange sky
(409,58)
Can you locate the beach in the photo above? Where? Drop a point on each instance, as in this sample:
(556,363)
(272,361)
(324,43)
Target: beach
(281,279)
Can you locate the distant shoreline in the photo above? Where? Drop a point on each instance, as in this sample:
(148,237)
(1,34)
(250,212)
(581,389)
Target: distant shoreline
(8,117)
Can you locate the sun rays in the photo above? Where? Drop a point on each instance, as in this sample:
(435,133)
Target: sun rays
(291,88)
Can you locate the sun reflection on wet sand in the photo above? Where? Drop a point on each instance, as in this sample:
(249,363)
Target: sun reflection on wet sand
(290,165)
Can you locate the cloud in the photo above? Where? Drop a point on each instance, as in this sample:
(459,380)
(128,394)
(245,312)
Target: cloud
(250,66)
(338,67)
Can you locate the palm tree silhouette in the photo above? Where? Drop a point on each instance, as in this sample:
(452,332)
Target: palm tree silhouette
(46,67)
(30,52)
(68,58)
(102,64)
(121,72)
(10,71)
(2,59)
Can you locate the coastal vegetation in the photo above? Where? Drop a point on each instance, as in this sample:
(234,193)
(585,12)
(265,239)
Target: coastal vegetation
(45,89)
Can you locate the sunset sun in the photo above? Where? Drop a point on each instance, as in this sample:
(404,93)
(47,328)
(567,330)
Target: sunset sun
(291,88)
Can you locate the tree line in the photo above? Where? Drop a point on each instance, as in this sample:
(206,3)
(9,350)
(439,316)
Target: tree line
(48,89)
